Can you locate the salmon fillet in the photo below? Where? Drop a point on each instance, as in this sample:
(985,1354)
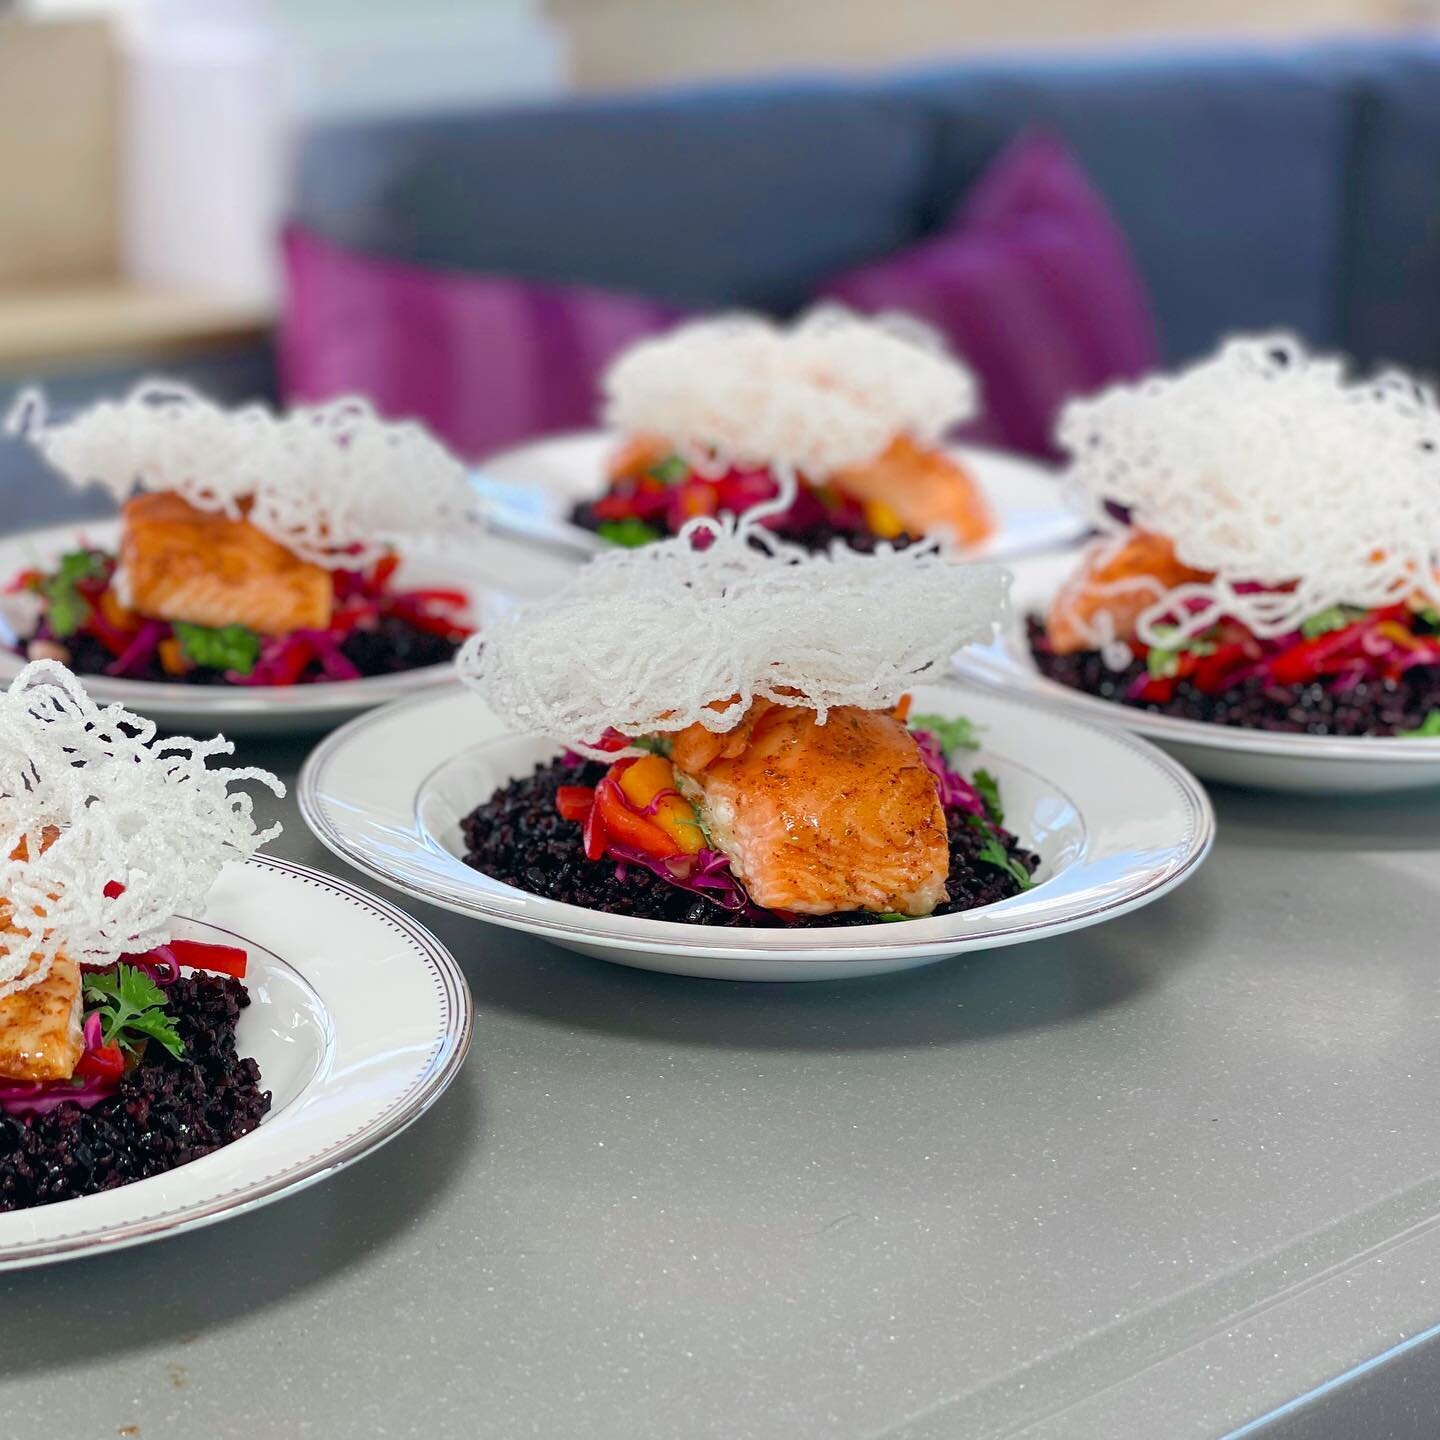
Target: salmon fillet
(1122,583)
(180,563)
(819,818)
(40,1035)
(924,489)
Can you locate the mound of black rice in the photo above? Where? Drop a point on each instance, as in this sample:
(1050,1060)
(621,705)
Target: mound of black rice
(815,537)
(1372,707)
(166,1112)
(393,645)
(518,837)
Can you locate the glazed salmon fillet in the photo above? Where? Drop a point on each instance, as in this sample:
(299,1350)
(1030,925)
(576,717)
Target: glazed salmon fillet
(180,563)
(924,489)
(40,1035)
(1122,583)
(819,818)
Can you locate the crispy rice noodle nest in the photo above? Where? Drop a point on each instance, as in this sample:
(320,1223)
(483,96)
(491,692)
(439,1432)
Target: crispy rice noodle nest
(671,635)
(826,393)
(148,814)
(333,483)
(1265,466)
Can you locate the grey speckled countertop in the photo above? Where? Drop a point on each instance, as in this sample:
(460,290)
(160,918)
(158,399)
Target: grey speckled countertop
(1157,1179)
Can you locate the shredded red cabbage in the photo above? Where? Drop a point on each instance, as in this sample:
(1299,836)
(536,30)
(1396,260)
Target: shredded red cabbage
(707,874)
(956,792)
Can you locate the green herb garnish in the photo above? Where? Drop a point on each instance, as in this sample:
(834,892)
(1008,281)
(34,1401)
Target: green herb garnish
(629,532)
(65,607)
(1337,617)
(889,917)
(992,852)
(132,1010)
(989,788)
(1428,729)
(953,732)
(670,471)
(230,647)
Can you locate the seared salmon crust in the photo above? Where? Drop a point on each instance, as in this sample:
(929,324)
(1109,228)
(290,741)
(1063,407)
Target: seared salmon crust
(518,837)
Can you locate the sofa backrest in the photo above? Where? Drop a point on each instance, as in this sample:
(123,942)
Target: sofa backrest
(1258,188)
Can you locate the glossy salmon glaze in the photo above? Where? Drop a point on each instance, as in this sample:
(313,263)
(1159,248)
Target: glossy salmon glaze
(40,1036)
(180,563)
(924,489)
(819,818)
(1121,582)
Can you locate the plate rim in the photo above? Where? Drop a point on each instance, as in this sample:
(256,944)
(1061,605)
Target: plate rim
(421,1094)
(864,944)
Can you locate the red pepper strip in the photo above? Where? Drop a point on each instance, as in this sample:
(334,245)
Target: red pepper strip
(458,599)
(222,959)
(612,739)
(25,580)
(594,834)
(113,890)
(385,567)
(574,801)
(1157,690)
(1304,662)
(291,663)
(1212,672)
(628,826)
(105,1062)
(429,624)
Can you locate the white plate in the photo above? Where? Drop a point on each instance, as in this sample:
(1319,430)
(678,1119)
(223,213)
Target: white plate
(1315,764)
(1116,825)
(1025,497)
(359,1019)
(491,571)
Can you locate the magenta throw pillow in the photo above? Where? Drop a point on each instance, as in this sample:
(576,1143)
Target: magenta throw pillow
(1031,282)
(485,361)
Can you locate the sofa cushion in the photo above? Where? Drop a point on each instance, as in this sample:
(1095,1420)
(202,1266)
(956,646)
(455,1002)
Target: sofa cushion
(1031,282)
(742,196)
(1226,170)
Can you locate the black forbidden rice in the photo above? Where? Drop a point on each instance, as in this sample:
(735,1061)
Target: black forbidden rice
(1373,707)
(392,645)
(518,837)
(166,1112)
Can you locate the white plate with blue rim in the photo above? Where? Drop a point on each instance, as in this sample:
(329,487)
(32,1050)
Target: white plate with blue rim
(358,1019)
(531,490)
(491,571)
(1116,825)
(1303,764)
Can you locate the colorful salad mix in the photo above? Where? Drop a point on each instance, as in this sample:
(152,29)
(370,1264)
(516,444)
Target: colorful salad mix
(1270,551)
(372,629)
(856,411)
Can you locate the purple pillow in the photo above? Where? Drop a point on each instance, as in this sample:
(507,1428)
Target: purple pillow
(485,361)
(1032,283)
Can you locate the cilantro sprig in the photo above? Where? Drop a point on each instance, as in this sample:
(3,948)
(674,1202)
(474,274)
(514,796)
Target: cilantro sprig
(65,607)
(631,532)
(132,1010)
(993,852)
(989,788)
(227,647)
(954,732)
